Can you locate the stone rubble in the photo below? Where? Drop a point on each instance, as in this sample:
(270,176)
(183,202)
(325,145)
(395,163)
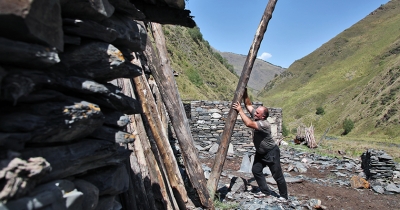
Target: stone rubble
(346,171)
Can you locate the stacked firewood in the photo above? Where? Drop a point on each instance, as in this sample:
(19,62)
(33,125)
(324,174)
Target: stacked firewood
(70,111)
(305,135)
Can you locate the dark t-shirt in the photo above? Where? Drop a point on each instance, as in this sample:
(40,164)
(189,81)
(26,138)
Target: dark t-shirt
(262,138)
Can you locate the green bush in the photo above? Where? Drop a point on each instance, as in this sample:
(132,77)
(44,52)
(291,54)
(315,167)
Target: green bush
(285,131)
(194,77)
(348,125)
(320,111)
(196,34)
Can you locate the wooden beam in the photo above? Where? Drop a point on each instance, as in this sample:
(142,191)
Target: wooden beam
(151,116)
(231,118)
(163,75)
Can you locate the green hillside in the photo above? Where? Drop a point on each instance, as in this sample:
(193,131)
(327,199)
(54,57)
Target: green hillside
(354,76)
(201,73)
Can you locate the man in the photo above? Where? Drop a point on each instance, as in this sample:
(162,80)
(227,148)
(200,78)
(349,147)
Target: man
(267,152)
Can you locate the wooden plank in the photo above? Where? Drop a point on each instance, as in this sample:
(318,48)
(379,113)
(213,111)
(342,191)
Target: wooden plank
(232,115)
(151,116)
(165,80)
(143,162)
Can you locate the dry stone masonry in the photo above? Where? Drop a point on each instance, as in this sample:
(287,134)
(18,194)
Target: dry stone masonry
(207,121)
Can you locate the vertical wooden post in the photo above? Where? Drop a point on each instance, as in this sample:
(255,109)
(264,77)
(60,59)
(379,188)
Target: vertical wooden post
(165,80)
(231,118)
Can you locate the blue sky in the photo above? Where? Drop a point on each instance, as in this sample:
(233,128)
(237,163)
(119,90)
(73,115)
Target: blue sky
(297,27)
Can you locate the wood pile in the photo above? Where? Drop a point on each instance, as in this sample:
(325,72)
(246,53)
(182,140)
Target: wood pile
(80,127)
(305,135)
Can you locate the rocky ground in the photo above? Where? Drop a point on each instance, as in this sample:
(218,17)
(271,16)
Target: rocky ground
(314,182)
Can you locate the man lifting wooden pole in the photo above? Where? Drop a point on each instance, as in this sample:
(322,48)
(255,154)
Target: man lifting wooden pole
(231,118)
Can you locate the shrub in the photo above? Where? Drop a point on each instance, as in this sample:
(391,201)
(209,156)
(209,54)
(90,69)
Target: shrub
(348,125)
(320,111)
(195,34)
(285,131)
(194,77)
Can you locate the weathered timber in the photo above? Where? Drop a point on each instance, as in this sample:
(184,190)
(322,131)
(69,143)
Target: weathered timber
(127,8)
(131,34)
(26,55)
(3,73)
(47,196)
(110,180)
(165,14)
(115,119)
(95,10)
(89,29)
(74,40)
(108,202)
(151,116)
(164,78)
(76,158)
(20,83)
(21,176)
(153,180)
(160,105)
(37,21)
(98,61)
(90,193)
(127,198)
(14,141)
(232,115)
(60,121)
(113,134)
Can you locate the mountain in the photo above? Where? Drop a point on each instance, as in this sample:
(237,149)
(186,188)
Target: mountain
(201,73)
(354,77)
(262,71)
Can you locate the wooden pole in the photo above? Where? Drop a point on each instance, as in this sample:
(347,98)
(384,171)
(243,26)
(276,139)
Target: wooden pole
(231,118)
(165,80)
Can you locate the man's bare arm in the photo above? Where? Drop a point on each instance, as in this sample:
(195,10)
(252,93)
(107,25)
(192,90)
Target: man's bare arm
(247,101)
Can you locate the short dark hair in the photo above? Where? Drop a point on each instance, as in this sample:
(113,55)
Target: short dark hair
(266,112)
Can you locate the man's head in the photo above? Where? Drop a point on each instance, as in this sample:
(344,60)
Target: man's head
(261,113)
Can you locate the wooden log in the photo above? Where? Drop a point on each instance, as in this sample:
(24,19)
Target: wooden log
(89,29)
(151,117)
(37,21)
(20,83)
(98,61)
(21,176)
(14,141)
(74,40)
(26,55)
(77,158)
(127,8)
(147,171)
(60,121)
(131,35)
(110,180)
(165,15)
(164,78)
(96,10)
(232,115)
(115,119)
(90,193)
(113,134)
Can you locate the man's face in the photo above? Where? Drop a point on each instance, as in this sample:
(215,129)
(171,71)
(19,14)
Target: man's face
(259,114)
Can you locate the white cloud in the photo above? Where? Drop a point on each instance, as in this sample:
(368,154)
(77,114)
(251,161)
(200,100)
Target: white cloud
(264,56)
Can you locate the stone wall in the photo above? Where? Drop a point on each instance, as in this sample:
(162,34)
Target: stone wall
(207,121)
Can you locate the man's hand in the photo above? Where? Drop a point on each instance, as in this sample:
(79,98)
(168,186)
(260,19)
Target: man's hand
(236,106)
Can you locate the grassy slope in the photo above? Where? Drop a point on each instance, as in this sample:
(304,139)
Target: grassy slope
(355,75)
(200,75)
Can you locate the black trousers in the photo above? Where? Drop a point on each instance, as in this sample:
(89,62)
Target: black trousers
(272,160)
